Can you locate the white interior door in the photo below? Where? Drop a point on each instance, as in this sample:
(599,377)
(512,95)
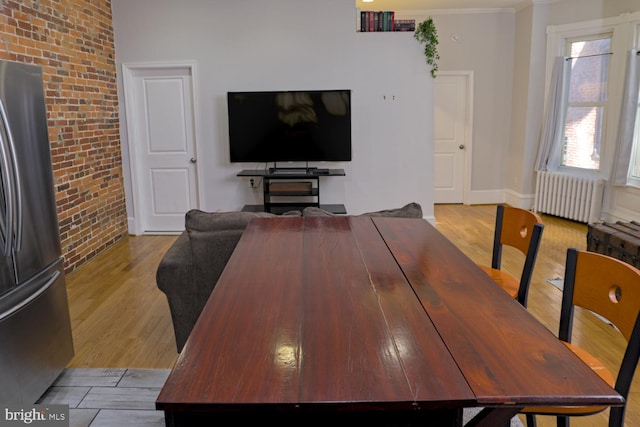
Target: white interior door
(452,142)
(160,116)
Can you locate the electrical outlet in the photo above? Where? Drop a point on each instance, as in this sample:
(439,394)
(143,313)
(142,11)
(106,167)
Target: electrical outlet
(251,182)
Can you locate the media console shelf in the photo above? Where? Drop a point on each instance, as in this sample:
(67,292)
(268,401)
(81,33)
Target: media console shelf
(285,184)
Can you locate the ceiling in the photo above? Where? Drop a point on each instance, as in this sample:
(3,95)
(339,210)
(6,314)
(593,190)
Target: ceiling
(437,4)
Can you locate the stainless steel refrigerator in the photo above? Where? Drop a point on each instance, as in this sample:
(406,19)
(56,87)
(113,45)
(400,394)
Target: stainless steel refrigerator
(35,330)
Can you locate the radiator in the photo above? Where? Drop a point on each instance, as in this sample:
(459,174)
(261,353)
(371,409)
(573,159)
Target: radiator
(567,196)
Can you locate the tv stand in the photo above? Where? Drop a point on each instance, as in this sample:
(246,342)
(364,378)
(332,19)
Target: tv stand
(288,171)
(298,171)
(302,185)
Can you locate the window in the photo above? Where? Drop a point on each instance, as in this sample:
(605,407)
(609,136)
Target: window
(594,125)
(634,170)
(635,164)
(586,102)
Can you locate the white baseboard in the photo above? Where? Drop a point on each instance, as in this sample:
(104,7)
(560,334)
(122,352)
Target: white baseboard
(131,226)
(494,197)
(523,201)
(486,197)
(619,214)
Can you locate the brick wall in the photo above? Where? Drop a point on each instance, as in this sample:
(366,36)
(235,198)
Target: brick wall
(73,42)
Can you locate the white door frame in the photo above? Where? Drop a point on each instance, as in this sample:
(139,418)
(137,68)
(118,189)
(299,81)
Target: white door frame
(128,69)
(468,132)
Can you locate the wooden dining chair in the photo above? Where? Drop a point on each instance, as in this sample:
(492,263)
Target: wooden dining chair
(520,229)
(611,289)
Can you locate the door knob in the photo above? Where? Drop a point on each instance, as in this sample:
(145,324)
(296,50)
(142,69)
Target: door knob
(461,146)
(193,160)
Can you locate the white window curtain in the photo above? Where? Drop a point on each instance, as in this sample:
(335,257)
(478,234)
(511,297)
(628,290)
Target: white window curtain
(624,143)
(553,120)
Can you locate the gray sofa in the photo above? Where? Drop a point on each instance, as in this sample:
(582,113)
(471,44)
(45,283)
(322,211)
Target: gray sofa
(190,268)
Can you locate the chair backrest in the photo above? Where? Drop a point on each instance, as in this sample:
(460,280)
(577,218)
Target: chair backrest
(611,289)
(520,229)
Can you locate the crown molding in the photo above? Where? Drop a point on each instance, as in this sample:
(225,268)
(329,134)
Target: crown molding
(467,11)
(453,11)
(527,3)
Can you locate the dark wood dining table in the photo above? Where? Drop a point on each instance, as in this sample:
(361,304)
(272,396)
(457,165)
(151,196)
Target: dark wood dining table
(369,320)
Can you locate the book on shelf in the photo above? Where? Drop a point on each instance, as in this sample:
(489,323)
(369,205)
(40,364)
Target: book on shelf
(405,25)
(376,21)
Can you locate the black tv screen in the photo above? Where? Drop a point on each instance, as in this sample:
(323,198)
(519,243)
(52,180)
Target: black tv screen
(311,125)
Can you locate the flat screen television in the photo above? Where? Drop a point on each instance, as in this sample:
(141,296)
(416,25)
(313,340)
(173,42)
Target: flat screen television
(310,125)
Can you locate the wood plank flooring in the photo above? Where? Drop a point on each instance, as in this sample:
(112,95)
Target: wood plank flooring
(119,317)
(121,320)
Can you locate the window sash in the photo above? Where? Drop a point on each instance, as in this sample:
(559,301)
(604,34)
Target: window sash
(634,169)
(633,179)
(587,101)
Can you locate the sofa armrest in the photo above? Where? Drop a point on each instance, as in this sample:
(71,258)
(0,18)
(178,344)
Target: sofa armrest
(174,278)
(175,265)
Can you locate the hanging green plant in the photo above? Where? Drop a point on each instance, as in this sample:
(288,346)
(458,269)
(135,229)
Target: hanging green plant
(426,33)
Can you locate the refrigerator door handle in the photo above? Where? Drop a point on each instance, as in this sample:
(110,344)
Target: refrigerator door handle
(31,297)
(6,217)
(15,195)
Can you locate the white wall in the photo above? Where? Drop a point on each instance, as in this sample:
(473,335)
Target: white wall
(484,45)
(569,11)
(527,105)
(289,45)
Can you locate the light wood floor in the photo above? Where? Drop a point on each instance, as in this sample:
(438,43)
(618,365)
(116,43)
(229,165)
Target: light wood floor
(120,319)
